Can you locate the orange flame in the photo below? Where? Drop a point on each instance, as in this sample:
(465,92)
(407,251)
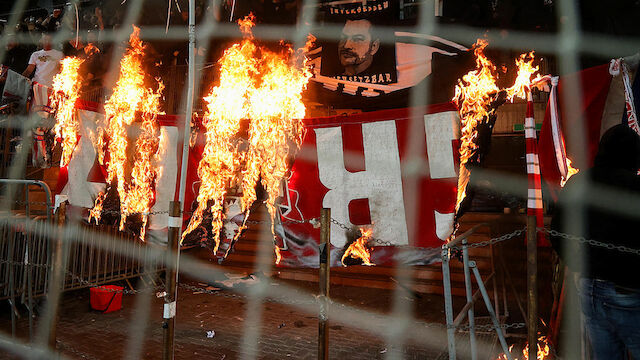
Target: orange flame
(91,49)
(129,97)
(264,87)
(278,255)
(542,353)
(571,171)
(523,81)
(543,349)
(473,95)
(358,249)
(66,90)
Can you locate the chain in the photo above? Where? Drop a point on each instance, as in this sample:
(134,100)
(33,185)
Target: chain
(217,292)
(495,240)
(372,241)
(32,203)
(489,327)
(380,242)
(591,242)
(194,288)
(106,289)
(23,263)
(114,212)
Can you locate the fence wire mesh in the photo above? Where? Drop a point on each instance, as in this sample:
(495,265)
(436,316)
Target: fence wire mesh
(399,328)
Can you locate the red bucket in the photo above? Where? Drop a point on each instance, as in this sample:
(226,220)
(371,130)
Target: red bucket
(106,298)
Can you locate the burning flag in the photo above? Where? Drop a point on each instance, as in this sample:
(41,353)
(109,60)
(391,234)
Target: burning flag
(66,90)
(474,94)
(264,89)
(359,248)
(130,98)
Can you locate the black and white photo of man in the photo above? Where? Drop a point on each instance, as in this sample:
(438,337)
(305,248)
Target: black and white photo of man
(358,54)
(357,46)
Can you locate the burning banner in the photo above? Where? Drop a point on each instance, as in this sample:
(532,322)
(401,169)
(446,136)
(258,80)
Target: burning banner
(259,89)
(66,91)
(132,185)
(475,95)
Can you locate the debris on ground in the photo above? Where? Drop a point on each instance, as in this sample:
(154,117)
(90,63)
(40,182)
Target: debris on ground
(210,334)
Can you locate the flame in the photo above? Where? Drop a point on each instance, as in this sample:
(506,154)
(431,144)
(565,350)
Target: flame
(571,171)
(66,90)
(542,353)
(523,81)
(278,255)
(358,249)
(264,87)
(91,49)
(129,97)
(543,349)
(473,95)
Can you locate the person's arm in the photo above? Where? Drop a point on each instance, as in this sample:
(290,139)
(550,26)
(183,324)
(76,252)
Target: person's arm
(29,70)
(31,67)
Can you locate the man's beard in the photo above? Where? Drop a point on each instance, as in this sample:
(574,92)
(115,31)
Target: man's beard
(352,57)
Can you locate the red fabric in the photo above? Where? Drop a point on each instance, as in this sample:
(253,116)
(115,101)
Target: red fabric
(594,83)
(307,192)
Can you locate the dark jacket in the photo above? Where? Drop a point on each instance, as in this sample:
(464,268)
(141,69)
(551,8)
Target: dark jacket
(606,198)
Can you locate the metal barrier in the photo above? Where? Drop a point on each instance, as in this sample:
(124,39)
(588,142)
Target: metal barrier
(470,269)
(26,255)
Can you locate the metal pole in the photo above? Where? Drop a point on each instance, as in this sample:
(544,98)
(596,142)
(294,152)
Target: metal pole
(467,285)
(492,313)
(169,311)
(532,288)
(448,304)
(191,80)
(325,266)
(57,277)
(175,218)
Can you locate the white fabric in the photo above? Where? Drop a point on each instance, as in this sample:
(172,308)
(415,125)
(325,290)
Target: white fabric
(535,194)
(16,87)
(381,182)
(628,95)
(556,130)
(46,62)
(41,101)
(534,203)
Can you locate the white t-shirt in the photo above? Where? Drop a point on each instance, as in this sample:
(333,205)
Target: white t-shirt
(46,62)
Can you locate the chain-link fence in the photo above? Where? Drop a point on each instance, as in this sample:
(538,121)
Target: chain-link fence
(25,245)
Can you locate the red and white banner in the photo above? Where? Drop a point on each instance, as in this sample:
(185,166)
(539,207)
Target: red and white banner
(359,166)
(395,169)
(83,178)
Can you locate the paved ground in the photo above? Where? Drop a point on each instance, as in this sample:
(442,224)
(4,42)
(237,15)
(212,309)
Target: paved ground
(283,331)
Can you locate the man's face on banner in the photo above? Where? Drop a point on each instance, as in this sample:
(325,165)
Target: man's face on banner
(356,47)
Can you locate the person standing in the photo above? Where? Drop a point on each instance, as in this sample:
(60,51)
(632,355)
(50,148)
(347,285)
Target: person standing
(601,204)
(44,62)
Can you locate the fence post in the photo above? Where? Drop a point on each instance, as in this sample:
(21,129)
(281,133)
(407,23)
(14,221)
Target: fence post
(57,276)
(325,266)
(169,310)
(532,286)
(448,303)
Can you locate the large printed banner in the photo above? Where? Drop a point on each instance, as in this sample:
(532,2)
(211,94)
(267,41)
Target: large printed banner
(373,65)
(395,169)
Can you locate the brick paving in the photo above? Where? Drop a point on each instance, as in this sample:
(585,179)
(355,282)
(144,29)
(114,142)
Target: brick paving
(285,332)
